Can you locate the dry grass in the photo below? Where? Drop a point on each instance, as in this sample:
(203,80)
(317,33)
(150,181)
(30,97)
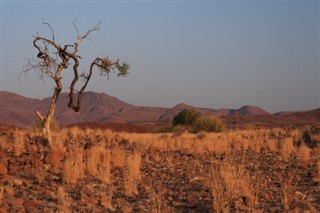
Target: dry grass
(287,148)
(287,192)
(231,182)
(318,167)
(272,145)
(106,200)
(98,162)
(133,173)
(73,167)
(1,192)
(304,153)
(63,200)
(118,157)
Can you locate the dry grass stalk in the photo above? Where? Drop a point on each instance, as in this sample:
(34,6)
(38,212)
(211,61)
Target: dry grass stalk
(156,201)
(287,148)
(55,159)
(5,142)
(73,165)
(272,145)
(304,153)
(19,142)
(231,183)
(64,200)
(104,165)
(106,200)
(302,206)
(217,143)
(1,192)
(133,173)
(118,157)
(287,192)
(92,158)
(318,167)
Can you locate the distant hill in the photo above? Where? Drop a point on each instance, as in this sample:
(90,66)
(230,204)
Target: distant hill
(17,110)
(248,111)
(103,109)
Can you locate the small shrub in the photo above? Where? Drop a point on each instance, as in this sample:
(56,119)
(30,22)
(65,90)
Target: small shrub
(190,120)
(186,117)
(208,124)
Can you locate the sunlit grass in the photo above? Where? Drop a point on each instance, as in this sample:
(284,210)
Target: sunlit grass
(79,153)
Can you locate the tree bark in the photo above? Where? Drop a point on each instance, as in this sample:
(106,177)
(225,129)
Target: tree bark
(46,121)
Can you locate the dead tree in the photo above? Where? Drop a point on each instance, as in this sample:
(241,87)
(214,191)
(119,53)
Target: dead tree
(53,58)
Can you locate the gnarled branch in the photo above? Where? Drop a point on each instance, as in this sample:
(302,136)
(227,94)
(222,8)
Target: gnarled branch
(45,23)
(105,65)
(52,59)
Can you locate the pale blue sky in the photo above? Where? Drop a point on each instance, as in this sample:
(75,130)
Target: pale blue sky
(215,54)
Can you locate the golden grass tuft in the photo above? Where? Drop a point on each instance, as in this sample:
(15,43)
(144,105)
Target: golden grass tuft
(230,183)
(64,200)
(104,165)
(133,173)
(318,168)
(118,157)
(19,142)
(303,153)
(287,148)
(73,168)
(1,192)
(106,200)
(272,145)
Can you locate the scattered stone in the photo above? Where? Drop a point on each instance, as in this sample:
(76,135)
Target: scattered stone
(171,181)
(125,207)
(3,210)
(3,169)
(32,204)
(17,202)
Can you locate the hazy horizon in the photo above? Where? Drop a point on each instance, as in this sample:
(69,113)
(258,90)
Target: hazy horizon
(168,107)
(211,54)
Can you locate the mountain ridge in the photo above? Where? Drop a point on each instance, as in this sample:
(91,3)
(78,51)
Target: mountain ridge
(18,110)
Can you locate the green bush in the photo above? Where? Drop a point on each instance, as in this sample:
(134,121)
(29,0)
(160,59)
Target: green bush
(189,119)
(186,117)
(208,124)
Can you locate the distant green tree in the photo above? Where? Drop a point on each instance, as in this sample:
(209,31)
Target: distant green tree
(186,117)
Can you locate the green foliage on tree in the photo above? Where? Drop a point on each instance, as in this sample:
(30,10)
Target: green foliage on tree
(186,117)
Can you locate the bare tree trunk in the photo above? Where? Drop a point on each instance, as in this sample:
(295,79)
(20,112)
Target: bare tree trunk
(46,121)
(52,59)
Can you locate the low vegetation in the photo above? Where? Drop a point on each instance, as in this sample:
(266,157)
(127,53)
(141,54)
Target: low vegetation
(101,170)
(193,121)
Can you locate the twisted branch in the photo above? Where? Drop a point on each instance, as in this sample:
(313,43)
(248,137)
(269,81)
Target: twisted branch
(53,66)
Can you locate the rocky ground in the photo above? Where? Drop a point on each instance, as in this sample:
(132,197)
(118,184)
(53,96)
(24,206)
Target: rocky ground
(168,181)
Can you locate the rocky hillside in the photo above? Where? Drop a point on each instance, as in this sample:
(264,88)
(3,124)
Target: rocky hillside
(102,108)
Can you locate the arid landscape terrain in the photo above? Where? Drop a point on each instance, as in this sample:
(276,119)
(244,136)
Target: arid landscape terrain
(104,111)
(113,157)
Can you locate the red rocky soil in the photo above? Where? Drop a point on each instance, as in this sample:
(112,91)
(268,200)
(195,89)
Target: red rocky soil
(171,181)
